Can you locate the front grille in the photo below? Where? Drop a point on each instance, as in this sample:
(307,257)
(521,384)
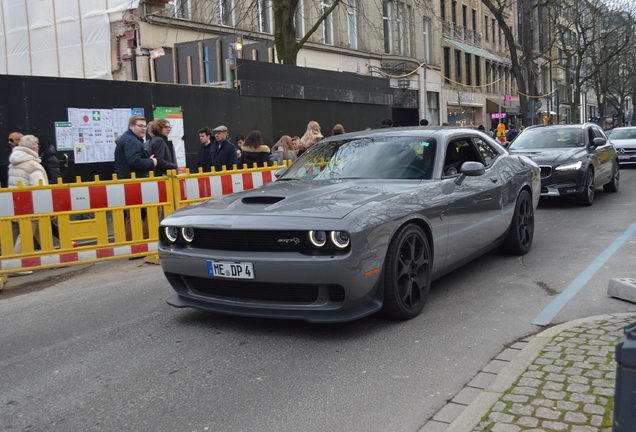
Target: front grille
(546,171)
(267,291)
(259,241)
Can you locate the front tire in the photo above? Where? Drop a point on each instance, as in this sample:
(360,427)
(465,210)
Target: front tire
(612,186)
(407,273)
(587,197)
(521,233)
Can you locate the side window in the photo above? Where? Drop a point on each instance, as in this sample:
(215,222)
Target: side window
(488,153)
(590,135)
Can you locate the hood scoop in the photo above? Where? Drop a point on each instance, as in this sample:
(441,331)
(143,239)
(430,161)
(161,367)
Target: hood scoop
(260,199)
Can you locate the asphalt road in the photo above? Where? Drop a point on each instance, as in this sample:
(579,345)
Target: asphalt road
(103,352)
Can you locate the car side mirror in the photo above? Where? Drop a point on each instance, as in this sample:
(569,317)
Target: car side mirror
(472,169)
(598,141)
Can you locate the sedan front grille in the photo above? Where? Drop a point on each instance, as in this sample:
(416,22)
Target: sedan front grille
(259,241)
(262,291)
(546,171)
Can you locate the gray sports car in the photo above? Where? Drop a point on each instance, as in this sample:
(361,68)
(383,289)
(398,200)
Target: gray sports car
(360,222)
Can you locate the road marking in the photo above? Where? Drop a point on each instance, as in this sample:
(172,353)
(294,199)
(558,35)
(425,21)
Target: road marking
(547,315)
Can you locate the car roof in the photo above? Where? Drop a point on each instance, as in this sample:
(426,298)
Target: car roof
(562,126)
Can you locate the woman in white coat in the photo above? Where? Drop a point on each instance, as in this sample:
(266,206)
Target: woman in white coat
(25,167)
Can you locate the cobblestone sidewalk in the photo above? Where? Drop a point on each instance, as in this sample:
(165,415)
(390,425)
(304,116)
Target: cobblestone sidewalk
(568,387)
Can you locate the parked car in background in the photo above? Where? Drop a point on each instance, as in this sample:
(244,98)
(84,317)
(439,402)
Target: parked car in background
(361,222)
(575,159)
(624,140)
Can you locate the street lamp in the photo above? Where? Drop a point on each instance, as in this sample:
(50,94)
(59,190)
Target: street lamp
(403,83)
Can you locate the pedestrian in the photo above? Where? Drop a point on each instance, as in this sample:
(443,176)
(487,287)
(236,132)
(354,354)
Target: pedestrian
(130,154)
(161,147)
(337,130)
(386,123)
(423,122)
(312,136)
(132,157)
(512,134)
(48,159)
(481,128)
(205,135)
(25,168)
(240,140)
(295,140)
(283,151)
(223,152)
(12,141)
(254,151)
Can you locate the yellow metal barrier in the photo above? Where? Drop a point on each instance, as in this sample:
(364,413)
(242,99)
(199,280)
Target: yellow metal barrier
(103,220)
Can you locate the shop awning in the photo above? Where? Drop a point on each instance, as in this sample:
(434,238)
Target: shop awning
(475,51)
(493,107)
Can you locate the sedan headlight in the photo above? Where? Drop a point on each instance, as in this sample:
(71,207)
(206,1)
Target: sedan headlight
(570,166)
(171,233)
(317,238)
(340,239)
(187,234)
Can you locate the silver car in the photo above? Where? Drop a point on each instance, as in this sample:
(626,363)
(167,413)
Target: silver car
(624,139)
(360,222)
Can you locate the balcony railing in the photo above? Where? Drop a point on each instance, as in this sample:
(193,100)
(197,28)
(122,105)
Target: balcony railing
(461,33)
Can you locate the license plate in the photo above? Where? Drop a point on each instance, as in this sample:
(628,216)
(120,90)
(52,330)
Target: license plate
(232,270)
(623,156)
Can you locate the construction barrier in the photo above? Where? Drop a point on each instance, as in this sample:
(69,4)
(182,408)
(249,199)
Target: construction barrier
(103,220)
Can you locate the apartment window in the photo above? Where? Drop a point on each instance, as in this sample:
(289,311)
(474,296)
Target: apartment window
(474,18)
(447,68)
(458,66)
(427,38)
(179,9)
(486,27)
(225,12)
(327,24)
(492,28)
(468,62)
(265,16)
(477,71)
(299,20)
(442,10)
(400,27)
(351,24)
(464,16)
(454,11)
(386,21)
(488,80)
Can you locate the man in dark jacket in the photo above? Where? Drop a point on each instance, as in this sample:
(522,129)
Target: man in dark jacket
(205,135)
(49,161)
(223,152)
(130,154)
(14,138)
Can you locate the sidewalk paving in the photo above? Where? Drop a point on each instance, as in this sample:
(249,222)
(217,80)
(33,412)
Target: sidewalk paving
(559,380)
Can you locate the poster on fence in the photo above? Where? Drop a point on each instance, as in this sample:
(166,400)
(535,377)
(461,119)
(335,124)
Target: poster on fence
(91,133)
(175,117)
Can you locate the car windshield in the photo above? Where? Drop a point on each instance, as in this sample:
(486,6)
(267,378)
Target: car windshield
(623,134)
(366,158)
(549,138)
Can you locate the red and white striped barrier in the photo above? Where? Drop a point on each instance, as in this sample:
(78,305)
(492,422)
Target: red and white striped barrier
(216,185)
(86,256)
(77,198)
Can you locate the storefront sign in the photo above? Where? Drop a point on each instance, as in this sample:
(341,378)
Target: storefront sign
(508,98)
(498,116)
(465,97)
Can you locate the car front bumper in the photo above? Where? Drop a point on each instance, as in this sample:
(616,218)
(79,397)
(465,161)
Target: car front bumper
(285,285)
(566,183)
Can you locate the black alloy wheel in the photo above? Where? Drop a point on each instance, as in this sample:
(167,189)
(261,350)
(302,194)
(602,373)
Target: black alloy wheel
(407,275)
(612,186)
(521,232)
(587,197)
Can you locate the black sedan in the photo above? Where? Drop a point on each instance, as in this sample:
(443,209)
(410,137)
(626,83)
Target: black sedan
(575,159)
(360,222)
(624,139)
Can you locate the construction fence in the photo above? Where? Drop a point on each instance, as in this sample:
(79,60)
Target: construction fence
(84,222)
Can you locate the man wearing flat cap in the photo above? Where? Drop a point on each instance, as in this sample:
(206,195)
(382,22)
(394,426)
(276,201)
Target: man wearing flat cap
(223,152)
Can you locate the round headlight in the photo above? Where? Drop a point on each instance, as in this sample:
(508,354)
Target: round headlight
(340,239)
(188,234)
(171,233)
(317,238)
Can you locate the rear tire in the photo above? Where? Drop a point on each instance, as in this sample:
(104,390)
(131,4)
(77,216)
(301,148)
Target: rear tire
(587,197)
(407,273)
(521,233)
(612,186)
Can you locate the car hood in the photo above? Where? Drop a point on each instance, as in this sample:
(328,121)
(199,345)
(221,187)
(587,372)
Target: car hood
(625,143)
(550,155)
(333,199)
